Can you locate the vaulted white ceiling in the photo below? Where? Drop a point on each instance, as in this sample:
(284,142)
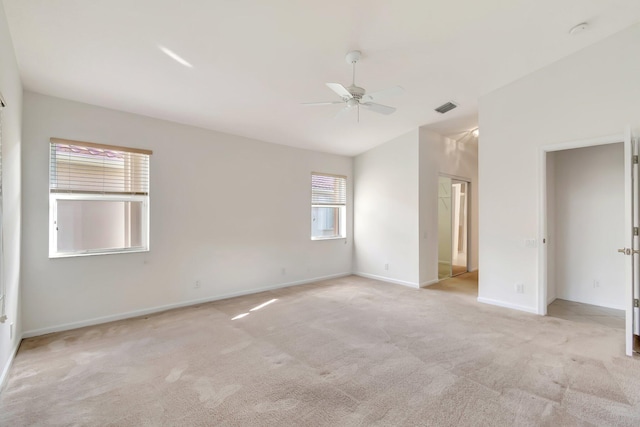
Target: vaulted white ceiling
(255,61)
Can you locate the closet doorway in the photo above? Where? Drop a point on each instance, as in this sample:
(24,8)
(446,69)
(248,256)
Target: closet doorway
(453,226)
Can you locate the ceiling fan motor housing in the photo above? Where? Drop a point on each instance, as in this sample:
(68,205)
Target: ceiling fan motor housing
(357,92)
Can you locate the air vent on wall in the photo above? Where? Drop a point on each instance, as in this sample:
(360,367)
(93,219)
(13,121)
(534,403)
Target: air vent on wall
(446,107)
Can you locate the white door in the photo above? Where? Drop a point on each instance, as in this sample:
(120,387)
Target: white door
(634,335)
(631,243)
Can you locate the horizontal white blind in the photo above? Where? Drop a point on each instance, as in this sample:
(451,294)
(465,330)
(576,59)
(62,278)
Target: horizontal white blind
(78,167)
(328,189)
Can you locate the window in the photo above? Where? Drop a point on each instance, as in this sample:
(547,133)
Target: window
(328,206)
(98,199)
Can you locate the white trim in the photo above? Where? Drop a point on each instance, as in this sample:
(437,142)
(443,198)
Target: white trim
(456,177)
(505,304)
(157,309)
(388,280)
(429,283)
(317,239)
(472,270)
(580,143)
(4,376)
(541,289)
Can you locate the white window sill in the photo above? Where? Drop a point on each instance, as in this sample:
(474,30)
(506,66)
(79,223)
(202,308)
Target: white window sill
(87,253)
(328,238)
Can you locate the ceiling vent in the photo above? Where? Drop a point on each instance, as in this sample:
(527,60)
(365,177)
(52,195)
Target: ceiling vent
(446,107)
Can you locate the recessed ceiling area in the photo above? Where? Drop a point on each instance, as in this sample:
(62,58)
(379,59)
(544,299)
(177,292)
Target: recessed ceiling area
(253,63)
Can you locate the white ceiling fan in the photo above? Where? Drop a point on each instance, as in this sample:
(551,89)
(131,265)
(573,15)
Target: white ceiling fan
(356,97)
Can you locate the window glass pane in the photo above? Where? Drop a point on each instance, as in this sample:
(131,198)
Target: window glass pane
(325,221)
(95,224)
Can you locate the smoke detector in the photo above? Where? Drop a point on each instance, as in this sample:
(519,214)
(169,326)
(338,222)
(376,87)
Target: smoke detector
(578,28)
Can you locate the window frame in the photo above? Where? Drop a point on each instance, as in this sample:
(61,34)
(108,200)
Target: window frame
(87,197)
(99,196)
(342,210)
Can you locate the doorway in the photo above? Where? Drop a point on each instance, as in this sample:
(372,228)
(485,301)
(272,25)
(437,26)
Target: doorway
(587,199)
(453,226)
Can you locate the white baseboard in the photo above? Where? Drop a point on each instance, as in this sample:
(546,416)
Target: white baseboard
(582,301)
(157,309)
(471,270)
(4,376)
(507,305)
(388,280)
(429,283)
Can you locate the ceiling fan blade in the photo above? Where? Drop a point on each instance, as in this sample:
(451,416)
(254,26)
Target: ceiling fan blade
(378,108)
(323,103)
(340,90)
(381,94)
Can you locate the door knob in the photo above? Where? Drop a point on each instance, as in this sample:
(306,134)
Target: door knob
(625,251)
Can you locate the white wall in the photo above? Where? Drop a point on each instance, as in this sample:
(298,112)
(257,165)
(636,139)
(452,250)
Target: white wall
(11,89)
(386,211)
(595,92)
(228,211)
(396,205)
(441,155)
(589,225)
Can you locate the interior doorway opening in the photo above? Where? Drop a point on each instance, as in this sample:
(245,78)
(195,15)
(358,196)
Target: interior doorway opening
(583,227)
(453,227)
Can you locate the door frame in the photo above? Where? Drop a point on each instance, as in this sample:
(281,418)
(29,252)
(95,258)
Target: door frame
(542,224)
(469,215)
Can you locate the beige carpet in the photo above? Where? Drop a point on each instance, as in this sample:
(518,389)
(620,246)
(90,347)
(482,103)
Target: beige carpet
(580,312)
(345,352)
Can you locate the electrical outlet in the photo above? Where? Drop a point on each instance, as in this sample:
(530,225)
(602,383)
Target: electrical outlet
(386,266)
(596,283)
(196,284)
(530,243)
(520,288)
